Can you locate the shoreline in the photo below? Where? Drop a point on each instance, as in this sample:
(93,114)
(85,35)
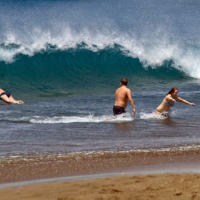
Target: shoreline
(20,172)
(168,176)
(149,170)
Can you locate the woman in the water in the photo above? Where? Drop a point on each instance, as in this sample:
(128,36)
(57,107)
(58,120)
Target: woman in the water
(7,97)
(169,100)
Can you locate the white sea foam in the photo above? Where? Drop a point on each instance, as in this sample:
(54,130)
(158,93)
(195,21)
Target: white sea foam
(79,119)
(152,116)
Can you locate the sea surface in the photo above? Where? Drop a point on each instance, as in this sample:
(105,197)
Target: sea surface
(65,59)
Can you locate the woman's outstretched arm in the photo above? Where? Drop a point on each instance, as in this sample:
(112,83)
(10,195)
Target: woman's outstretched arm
(184,101)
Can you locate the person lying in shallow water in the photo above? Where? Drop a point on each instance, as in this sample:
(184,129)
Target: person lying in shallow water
(169,100)
(7,97)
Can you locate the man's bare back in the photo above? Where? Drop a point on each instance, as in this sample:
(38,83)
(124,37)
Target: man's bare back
(122,95)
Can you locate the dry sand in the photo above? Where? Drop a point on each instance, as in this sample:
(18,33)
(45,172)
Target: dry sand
(160,187)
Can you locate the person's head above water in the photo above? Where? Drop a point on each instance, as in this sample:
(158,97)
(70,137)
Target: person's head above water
(173,91)
(124,81)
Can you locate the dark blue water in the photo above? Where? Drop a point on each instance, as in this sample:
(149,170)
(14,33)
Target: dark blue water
(65,59)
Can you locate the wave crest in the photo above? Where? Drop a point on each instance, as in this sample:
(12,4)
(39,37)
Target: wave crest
(153,54)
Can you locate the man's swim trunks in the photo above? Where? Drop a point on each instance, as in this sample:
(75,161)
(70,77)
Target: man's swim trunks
(118,110)
(6,93)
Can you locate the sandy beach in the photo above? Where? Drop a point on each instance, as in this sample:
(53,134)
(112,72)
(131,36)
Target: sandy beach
(139,176)
(162,186)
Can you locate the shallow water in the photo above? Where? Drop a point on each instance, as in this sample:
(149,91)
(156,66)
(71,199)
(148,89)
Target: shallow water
(61,126)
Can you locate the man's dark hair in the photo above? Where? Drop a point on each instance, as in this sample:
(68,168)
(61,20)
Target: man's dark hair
(124,81)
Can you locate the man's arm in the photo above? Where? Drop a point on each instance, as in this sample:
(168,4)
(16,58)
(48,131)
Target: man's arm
(131,101)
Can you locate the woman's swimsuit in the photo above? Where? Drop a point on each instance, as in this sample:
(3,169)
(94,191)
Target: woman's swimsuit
(6,93)
(171,103)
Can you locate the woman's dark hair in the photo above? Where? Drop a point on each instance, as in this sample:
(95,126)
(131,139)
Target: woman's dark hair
(172,90)
(124,81)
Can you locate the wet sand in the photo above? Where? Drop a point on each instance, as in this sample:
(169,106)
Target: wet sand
(27,169)
(184,183)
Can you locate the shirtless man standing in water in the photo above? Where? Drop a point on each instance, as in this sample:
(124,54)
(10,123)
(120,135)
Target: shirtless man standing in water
(122,95)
